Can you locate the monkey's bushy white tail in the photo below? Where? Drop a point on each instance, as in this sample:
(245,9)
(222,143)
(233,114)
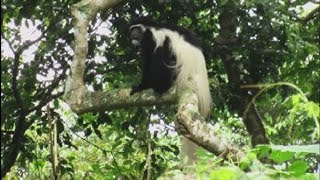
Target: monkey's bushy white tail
(190,66)
(192,72)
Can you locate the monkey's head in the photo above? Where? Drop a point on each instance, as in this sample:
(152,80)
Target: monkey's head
(136,34)
(138,28)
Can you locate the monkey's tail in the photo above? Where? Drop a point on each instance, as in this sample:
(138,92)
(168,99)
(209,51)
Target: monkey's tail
(204,95)
(192,72)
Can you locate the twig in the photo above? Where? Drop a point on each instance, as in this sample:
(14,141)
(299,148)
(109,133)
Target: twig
(266,87)
(96,146)
(9,43)
(149,160)
(53,144)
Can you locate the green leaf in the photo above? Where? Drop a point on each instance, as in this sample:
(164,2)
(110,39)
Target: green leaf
(314,148)
(97,169)
(224,2)
(56,103)
(226,174)
(281,157)
(247,161)
(312,109)
(114,146)
(295,99)
(298,167)
(262,150)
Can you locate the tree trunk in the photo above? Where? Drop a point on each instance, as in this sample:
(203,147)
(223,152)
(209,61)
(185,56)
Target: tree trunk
(227,40)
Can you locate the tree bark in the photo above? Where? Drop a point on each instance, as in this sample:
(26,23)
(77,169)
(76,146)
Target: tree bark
(227,40)
(16,144)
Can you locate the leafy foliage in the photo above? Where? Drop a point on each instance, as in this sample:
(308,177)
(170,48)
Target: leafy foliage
(289,162)
(271,46)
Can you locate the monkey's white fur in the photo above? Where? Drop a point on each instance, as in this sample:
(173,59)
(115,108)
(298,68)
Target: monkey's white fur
(190,65)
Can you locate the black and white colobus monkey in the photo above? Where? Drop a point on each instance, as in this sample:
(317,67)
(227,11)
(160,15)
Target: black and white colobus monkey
(172,57)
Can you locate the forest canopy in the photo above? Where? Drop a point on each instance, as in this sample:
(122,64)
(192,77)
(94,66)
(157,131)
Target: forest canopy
(67,68)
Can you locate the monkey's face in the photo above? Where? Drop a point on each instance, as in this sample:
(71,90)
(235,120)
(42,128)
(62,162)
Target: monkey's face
(136,34)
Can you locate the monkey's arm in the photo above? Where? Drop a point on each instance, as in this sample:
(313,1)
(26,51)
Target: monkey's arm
(146,74)
(142,86)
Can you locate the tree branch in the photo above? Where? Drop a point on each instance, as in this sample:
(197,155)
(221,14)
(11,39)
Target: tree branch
(9,43)
(149,161)
(17,142)
(304,17)
(14,82)
(46,95)
(191,125)
(20,125)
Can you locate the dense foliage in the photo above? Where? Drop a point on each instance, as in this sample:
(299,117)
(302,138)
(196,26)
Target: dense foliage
(268,42)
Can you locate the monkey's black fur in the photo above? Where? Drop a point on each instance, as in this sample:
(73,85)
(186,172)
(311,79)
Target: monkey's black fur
(189,36)
(171,56)
(156,71)
(158,66)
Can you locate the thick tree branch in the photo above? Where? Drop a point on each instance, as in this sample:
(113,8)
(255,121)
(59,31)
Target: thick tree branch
(17,142)
(191,125)
(14,82)
(82,12)
(305,16)
(115,99)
